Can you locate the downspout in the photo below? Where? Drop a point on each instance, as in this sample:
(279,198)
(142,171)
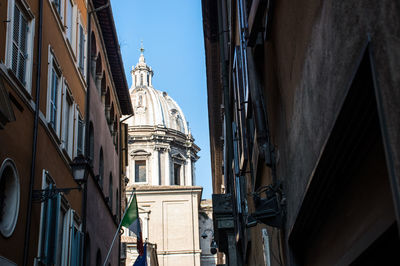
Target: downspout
(35,133)
(87,144)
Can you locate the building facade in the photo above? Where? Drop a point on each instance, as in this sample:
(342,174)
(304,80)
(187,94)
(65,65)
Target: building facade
(47,126)
(304,131)
(161,158)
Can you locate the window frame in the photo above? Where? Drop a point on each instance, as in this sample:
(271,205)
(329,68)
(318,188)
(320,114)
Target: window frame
(175,179)
(71,17)
(67,138)
(28,15)
(81,49)
(136,160)
(54,67)
(9,230)
(70,221)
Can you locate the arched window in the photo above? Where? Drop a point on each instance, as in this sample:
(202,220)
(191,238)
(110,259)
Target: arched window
(148,83)
(101,168)
(98,258)
(91,142)
(110,192)
(9,197)
(141,79)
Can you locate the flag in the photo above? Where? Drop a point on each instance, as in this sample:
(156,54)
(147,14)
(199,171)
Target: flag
(141,260)
(131,220)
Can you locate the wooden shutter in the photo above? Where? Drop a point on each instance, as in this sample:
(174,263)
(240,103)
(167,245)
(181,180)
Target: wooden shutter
(81,48)
(51,221)
(19,45)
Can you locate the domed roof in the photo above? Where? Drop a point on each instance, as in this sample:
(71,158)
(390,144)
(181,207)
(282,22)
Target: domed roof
(152,107)
(155,108)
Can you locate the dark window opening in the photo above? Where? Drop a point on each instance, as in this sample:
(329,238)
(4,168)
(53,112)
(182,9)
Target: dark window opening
(177,174)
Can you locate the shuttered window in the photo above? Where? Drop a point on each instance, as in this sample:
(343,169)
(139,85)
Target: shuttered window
(81,132)
(76,246)
(69,20)
(19,45)
(61,237)
(51,212)
(58,5)
(81,48)
(54,87)
(68,122)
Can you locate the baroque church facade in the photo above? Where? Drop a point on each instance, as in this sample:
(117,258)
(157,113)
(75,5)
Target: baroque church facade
(161,170)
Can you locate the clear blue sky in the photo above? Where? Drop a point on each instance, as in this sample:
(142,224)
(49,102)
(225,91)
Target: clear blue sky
(172,35)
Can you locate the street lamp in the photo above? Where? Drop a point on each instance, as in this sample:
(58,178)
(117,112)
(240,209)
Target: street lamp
(80,169)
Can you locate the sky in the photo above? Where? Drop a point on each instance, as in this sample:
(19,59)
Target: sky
(172,35)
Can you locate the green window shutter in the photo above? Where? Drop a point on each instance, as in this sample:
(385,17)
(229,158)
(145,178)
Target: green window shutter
(50,244)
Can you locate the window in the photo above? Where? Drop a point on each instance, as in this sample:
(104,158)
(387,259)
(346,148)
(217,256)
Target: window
(9,197)
(50,223)
(80,136)
(59,7)
(140,171)
(177,174)
(69,23)
(68,122)
(141,79)
(81,51)
(54,93)
(20,30)
(61,237)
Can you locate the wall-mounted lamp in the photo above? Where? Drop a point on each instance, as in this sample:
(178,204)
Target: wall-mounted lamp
(80,169)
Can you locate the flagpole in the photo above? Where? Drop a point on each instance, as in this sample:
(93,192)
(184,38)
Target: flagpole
(119,227)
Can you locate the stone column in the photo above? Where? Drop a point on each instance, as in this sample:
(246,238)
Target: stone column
(188,174)
(155,172)
(167,176)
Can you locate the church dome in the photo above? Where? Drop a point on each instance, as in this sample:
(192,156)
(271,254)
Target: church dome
(153,107)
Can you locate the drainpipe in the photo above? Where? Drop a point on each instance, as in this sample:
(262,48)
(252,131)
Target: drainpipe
(35,133)
(87,144)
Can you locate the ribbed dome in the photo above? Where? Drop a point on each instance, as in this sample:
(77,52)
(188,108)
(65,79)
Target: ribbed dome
(152,107)
(155,108)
